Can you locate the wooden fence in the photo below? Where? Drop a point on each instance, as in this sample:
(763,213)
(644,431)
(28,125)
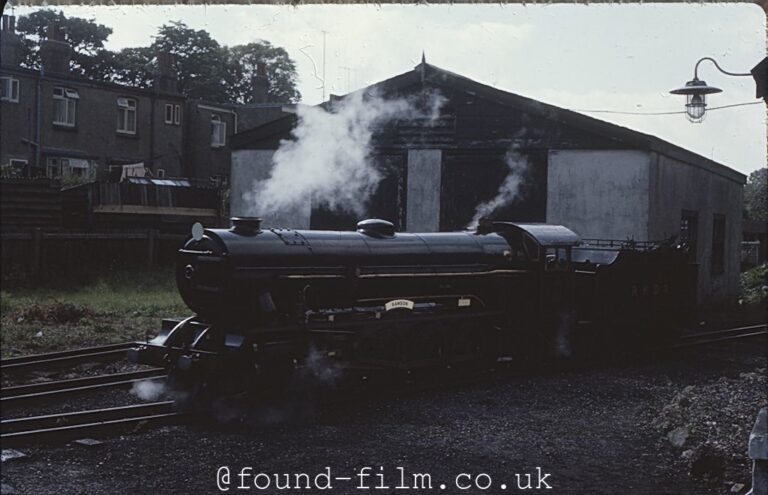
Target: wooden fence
(30,203)
(41,254)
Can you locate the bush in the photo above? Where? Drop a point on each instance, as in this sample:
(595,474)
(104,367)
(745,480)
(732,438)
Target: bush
(754,285)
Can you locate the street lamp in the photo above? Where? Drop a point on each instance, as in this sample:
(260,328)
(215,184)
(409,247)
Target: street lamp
(696,92)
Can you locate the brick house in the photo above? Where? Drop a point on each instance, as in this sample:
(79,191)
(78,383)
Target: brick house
(59,125)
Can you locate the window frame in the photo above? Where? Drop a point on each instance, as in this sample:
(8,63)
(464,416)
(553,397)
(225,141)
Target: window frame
(177,114)
(160,173)
(65,96)
(168,117)
(717,258)
(125,106)
(218,132)
(689,231)
(11,82)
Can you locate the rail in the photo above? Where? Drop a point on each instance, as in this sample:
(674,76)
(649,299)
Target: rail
(59,427)
(106,353)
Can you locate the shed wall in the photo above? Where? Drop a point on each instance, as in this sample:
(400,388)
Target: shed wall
(600,194)
(676,186)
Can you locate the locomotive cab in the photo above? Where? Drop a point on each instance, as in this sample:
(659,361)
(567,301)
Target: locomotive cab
(545,311)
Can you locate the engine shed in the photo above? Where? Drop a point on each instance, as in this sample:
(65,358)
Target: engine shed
(601,180)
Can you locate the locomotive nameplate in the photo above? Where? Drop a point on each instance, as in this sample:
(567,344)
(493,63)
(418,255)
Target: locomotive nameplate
(399,304)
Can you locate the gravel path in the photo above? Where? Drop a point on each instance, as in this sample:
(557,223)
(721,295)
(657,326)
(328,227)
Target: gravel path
(594,431)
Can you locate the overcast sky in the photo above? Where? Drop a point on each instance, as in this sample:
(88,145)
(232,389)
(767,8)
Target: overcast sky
(582,57)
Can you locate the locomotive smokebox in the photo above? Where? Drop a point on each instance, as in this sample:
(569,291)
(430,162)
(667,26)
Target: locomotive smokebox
(246,225)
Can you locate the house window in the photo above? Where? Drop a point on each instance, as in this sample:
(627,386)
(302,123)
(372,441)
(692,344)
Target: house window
(718,244)
(69,167)
(126,115)
(55,167)
(9,89)
(689,231)
(218,132)
(16,168)
(160,173)
(64,106)
(172,114)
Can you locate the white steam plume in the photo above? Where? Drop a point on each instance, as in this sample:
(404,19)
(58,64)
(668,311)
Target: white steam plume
(509,190)
(149,390)
(328,161)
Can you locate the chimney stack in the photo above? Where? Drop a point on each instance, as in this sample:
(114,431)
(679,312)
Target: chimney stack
(166,79)
(55,52)
(10,44)
(260,84)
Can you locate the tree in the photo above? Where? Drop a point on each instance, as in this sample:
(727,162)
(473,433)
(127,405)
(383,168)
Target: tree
(200,62)
(756,195)
(204,68)
(85,36)
(280,69)
(133,67)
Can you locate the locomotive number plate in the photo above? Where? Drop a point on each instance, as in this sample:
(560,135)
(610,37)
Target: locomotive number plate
(399,304)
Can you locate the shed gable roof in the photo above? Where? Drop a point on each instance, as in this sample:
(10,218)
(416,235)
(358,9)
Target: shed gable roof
(426,74)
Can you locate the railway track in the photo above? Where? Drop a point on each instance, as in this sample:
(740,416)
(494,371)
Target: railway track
(39,392)
(721,336)
(87,424)
(55,360)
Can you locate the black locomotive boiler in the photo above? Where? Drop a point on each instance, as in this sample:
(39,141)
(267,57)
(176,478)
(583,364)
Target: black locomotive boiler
(266,299)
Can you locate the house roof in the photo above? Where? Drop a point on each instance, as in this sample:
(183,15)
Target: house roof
(425,73)
(85,82)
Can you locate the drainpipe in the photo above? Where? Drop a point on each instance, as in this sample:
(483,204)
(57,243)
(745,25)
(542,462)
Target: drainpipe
(38,90)
(152,130)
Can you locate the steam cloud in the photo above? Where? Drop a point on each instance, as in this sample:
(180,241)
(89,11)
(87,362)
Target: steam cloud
(328,162)
(509,190)
(149,390)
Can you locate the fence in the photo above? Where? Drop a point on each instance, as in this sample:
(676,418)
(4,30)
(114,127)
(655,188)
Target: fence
(39,254)
(30,203)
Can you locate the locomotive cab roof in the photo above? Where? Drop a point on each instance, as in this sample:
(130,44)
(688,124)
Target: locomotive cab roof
(545,235)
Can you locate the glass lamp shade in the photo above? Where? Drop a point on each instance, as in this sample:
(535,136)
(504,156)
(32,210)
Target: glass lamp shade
(695,107)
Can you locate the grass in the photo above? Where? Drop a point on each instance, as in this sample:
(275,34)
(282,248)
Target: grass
(108,308)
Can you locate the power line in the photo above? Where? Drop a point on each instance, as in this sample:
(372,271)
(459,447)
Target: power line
(666,113)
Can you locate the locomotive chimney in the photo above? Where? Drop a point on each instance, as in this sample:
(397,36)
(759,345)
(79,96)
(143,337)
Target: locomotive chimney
(246,225)
(55,52)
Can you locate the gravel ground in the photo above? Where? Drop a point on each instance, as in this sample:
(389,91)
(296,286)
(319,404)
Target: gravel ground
(594,431)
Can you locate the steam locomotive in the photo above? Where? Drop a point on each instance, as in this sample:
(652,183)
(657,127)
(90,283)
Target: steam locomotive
(265,300)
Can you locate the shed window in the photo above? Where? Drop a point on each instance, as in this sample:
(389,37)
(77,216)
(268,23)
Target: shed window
(718,244)
(177,114)
(168,114)
(689,231)
(218,132)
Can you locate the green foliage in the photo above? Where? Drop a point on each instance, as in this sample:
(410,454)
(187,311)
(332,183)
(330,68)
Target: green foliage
(201,63)
(110,307)
(281,72)
(89,58)
(134,67)
(756,195)
(205,69)
(754,284)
